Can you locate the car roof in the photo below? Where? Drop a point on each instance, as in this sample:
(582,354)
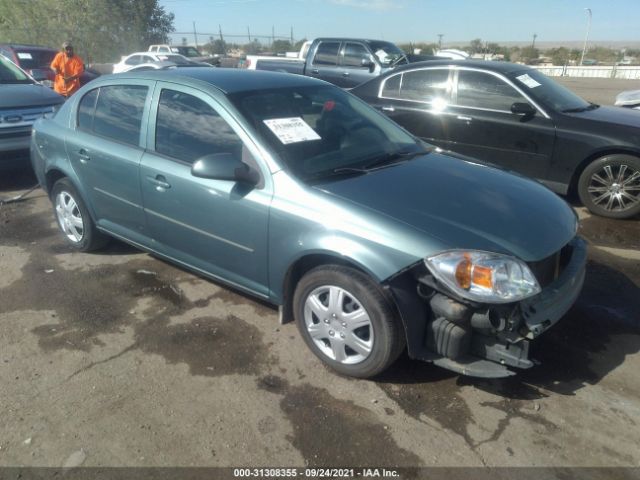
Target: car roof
(501,67)
(25,46)
(228,80)
(343,39)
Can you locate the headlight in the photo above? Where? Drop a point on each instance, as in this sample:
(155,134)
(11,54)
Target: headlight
(484,276)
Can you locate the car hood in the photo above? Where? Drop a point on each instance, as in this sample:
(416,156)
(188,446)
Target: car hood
(617,115)
(466,205)
(25,95)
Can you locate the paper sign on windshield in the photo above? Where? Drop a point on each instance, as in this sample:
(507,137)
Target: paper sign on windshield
(24,56)
(291,130)
(528,81)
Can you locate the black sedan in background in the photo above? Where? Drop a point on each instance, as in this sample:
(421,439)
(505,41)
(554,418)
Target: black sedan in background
(515,117)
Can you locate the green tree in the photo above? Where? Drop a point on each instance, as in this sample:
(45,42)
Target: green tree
(252,48)
(476,45)
(281,46)
(102,30)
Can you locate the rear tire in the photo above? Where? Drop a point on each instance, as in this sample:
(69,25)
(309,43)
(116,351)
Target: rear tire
(347,322)
(73,218)
(610,186)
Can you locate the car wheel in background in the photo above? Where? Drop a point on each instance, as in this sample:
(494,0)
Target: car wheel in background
(347,322)
(610,186)
(74,219)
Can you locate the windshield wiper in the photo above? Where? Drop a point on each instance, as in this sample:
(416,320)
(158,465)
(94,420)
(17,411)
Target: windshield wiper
(392,158)
(397,60)
(591,106)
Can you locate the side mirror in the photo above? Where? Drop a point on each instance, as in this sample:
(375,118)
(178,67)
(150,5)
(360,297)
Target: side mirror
(522,108)
(224,166)
(367,63)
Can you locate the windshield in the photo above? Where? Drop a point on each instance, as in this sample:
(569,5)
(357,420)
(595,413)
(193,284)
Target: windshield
(187,51)
(29,59)
(321,131)
(549,91)
(10,73)
(387,53)
(177,59)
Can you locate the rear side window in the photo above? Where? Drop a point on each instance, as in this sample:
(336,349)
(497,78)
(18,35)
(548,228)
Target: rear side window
(187,128)
(86,110)
(327,53)
(425,85)
(481,90)
(118,113)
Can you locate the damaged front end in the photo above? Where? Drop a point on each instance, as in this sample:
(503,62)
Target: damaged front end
(482,334)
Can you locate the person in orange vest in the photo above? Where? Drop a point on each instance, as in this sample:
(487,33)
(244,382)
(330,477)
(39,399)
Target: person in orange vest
(68,68)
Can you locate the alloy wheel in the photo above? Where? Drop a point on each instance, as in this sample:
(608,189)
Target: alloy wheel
(615,188)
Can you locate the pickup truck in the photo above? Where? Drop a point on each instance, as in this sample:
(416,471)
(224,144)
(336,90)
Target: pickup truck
(345,62)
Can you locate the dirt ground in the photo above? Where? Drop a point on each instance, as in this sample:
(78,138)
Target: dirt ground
(118,358)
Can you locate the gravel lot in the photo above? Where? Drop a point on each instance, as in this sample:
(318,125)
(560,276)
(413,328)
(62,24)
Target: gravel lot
(118,358)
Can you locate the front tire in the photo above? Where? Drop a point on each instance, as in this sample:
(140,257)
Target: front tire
(73,218)
(347,322)
(610,186)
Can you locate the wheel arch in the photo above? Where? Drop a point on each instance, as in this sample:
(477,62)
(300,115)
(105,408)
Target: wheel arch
(54,174)
(573,185)
(304,264)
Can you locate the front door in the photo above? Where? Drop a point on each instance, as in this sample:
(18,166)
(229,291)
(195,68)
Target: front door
(484,127)
(355,61)
(216,226)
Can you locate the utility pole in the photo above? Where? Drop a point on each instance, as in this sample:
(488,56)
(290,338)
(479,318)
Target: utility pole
(586,37)
(220,32)
(195,35)
(249,33)
(440,35)
(273,35)
(292,35)
(533,44)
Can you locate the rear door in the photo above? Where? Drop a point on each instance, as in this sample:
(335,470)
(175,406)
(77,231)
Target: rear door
(419,101)
(216,226)
(484,127)
(105,151)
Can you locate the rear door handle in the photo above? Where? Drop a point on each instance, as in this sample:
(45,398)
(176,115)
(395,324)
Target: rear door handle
(315,71)
(464,118)
(83,155)
(388,109)
(159,181)
(345,74)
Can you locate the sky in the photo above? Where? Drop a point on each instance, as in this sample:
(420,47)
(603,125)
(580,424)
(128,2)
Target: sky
(411,20)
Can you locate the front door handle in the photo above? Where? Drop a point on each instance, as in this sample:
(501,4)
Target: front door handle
(159,181)
(83,155)
(345,74)
(464,118)
(315,71)
(388,109)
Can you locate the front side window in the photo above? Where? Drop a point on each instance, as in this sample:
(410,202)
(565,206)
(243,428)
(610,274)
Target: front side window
(425,85)
(481,90)
(188,128)
(327,53)
(118,113)
(355,54)
(10,73)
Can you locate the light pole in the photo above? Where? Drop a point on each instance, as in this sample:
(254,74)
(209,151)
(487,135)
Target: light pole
(586,37)
(440,35)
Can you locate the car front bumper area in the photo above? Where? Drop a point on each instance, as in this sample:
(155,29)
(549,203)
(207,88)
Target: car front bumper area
(483,340)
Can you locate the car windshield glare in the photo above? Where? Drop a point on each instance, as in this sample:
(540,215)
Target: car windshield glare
(549,91)
(319,130)
(10,73)
(387,53)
